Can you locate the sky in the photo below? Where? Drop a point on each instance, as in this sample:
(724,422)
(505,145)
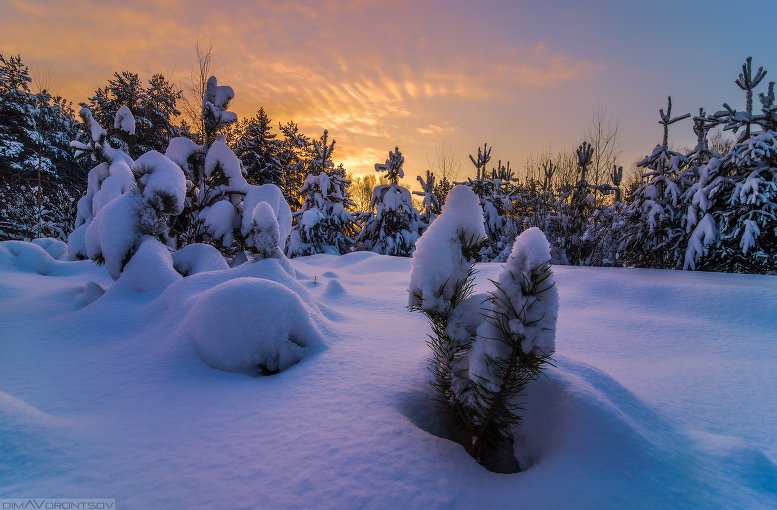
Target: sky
(525,77)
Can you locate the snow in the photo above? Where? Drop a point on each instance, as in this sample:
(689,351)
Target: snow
(160,177)
(180,149)
(220,221)
(437,262)
(113,233)
(150,269)
(198,257)
(215,101)
(251,325)
(221,156)
(124,120)
(54,247)
(660,396)
(273,196)
(96,131)
(264,230)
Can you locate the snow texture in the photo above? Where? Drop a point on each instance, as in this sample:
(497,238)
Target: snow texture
(530,312)
(273,196)
(216,100)
(54,247)
(150,269)
(161,181)
(113,234)
(197,258)
(180,149)
(263,232)
(124,120)
(220,220)
(221,157)
(250,325)
(112,398)
(438,263)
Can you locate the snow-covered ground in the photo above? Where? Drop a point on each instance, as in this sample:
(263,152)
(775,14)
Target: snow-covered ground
(662,395)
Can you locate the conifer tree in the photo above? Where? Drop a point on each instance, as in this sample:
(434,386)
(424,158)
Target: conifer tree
(323,225)
(258,149)
(485,348)
(654,232)
(393,224)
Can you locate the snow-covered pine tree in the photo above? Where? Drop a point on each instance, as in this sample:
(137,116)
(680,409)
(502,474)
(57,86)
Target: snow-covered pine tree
(257,149)
(215,102)
(431,203)
(35,134)
(150,125)
(323,225)
(653,233)
(294,159)
(493,197)
(580,210)
(393,224)
(601,235)
(736,196)
(485,348)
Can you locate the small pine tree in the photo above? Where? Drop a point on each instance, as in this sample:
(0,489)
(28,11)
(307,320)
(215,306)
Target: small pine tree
(654,233)
(483,356)
(323,225)
(393,224)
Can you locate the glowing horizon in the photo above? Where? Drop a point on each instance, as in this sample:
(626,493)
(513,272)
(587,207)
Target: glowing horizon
(522,77)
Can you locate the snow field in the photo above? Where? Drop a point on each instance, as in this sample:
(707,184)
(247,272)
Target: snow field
(661,394)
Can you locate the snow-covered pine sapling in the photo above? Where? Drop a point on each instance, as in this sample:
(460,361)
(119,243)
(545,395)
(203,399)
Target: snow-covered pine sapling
(431,203)
(514,342)
(394,226)
(441,285)
(485,348)
(215,102)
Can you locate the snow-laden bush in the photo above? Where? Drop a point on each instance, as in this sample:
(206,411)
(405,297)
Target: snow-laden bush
(251,325)
(485,347)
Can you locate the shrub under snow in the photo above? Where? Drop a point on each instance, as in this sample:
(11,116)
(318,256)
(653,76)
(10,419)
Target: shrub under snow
(251,325)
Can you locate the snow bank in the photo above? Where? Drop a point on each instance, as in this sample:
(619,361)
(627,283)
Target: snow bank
(252,326)
(25,257)
(438,262)
(150,269)
(54,247)
(197,258)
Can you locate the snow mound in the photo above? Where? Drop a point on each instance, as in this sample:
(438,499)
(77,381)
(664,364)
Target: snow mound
(197,258)
(25,438)
(582,426)
(25,257)
(150,269)
(92,291)
(253,326)
(334,289)
(54,247)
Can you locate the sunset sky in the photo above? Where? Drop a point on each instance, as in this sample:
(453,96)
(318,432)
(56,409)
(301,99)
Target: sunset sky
(522,76)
